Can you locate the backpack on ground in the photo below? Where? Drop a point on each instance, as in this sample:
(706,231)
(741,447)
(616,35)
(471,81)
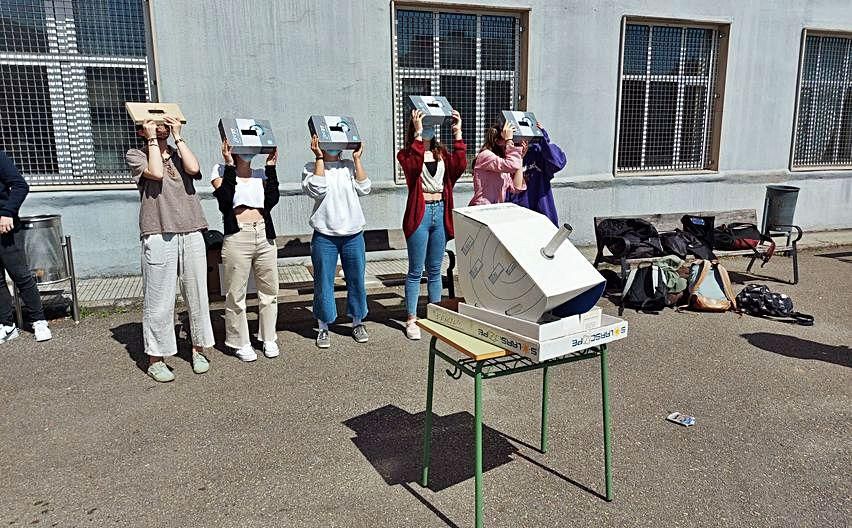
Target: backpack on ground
(645,289)
(710,288)
(630,237)
(738,235)
(759,300)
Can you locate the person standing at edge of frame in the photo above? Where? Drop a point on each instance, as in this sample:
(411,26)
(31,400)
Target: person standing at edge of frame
(170,225)
(336,184)
(497,167)
(13,192)
(428,222)
(246,196)
(542,159)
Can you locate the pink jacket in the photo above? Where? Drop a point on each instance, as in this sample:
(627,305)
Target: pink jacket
(492,175)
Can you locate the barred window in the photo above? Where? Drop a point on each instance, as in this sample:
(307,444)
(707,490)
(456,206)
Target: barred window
(669,97)
(472,59)
(823,134)
(66,69)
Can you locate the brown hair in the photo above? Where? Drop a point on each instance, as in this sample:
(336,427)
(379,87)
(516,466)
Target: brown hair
(435,144)
(492,136)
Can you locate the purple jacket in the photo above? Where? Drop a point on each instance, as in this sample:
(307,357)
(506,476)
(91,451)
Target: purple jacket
(542,160)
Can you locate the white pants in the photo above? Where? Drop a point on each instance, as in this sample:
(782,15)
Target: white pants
(245,251)
(165,259)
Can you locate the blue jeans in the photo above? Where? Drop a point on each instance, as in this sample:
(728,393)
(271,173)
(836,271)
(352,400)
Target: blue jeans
(324,252)
(426,247)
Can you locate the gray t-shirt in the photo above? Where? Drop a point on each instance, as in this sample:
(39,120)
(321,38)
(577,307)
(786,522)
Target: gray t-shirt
(170,205)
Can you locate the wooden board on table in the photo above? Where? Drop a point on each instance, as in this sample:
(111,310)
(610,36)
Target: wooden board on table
(467,345)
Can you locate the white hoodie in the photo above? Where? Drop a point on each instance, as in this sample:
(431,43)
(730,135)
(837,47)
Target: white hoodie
(337,210)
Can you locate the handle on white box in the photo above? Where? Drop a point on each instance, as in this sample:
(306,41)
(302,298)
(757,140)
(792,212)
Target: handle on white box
(561,236)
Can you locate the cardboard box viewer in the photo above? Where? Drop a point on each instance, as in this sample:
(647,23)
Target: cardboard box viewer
(248,136)
(436,109)
(503,262)
(156,112)
(525,125)
(335,132)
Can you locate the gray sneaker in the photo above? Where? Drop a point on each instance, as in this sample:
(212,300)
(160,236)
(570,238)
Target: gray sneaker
(323,340)
(359,333)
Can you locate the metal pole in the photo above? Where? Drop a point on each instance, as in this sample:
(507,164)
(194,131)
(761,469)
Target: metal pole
(75,303)
(550,249)
(544,390)
(477,435)
(427,427)
(606,423)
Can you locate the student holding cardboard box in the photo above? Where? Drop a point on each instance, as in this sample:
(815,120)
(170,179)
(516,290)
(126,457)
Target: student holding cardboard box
(170,224)
(430,174)
(497,168)
(338,221)
(246,197)
(542,159)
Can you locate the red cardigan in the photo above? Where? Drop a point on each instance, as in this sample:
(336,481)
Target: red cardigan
(411,160)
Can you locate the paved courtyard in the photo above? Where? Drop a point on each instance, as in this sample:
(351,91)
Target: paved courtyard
(333,438)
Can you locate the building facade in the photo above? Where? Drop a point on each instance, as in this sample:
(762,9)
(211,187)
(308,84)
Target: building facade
(660,106)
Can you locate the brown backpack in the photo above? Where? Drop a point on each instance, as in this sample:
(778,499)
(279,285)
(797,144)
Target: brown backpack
(710,287)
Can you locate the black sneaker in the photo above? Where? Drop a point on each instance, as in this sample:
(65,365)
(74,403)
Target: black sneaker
(359,333)
(323,340)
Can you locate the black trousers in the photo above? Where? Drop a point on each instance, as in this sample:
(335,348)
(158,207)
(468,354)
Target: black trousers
(14,261)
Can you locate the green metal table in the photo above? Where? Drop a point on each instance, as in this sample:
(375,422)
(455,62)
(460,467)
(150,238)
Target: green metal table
(485,361)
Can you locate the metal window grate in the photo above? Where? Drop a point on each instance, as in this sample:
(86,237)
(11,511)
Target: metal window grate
(66,69)
(823,135)
(667,94)
(470,58)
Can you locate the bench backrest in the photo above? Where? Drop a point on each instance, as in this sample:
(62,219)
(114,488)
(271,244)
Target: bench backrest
(670,221)
(374,240)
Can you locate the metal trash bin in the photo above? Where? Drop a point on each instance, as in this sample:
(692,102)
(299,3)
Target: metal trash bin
(49,255)
(779,207)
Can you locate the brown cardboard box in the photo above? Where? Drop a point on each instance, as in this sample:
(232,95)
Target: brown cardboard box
(141,112)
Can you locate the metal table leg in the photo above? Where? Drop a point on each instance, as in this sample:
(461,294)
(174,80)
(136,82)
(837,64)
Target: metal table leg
(606,423)
(477,431)
(544,391)
(427,427)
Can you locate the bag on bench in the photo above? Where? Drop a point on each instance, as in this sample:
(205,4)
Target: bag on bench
(682,244)
(630,237)
(701,227)
(738,235)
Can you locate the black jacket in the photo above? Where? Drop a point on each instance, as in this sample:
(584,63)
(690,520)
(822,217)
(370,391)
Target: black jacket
(225,196)
(13,189)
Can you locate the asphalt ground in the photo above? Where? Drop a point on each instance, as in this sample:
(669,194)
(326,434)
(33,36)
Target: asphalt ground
(333,438)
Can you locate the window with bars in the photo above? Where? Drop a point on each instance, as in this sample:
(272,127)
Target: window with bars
(66,69)
(823,135)
(670,97)
(471,58)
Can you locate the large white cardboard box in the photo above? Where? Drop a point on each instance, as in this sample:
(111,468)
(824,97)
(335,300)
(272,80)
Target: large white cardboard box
(436,109)
(550,327)
(248,136)
(502,267)
(335,132)
(610,329)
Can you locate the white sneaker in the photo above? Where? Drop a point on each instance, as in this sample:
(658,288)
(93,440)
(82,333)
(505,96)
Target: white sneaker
(41,331)
(412,331)
(8,333)
(246,353)
(270,349)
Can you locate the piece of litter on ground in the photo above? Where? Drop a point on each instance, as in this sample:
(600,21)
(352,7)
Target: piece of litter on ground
(681,419)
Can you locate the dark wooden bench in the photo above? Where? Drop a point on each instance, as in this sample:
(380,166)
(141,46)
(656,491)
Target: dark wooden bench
(672,221)
(375,240)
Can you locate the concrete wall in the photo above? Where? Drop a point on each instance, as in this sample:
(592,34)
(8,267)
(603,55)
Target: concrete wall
(287,60)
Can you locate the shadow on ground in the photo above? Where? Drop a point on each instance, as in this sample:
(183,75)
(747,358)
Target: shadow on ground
(798,348)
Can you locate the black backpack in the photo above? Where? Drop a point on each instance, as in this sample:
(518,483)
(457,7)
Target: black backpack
(645,289)
(757,299)
(735,236)
(630,238)
(682,244)
(701,227)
